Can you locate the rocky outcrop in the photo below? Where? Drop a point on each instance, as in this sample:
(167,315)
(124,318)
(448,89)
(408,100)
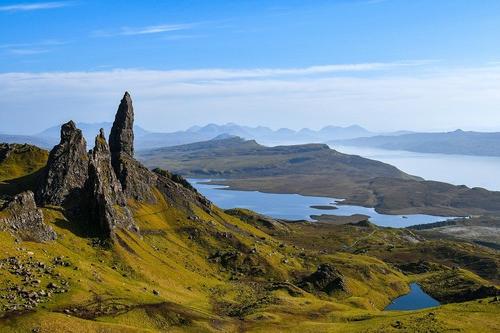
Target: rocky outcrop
(104,179)
(106,199)
(179,191)
(259,221)
(22,218)
(136,180)
(67,167)
(5,151)
(121,138)
(326,279)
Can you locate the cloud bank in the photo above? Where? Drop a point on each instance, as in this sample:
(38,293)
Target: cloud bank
(380,96)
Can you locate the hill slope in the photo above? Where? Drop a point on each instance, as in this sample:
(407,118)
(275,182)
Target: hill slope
(235,157)
(457,142)
(317,170)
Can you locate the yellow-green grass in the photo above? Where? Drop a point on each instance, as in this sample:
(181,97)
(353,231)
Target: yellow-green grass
(23,161)
(20,169)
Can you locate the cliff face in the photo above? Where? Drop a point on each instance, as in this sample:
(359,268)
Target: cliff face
(67,168)
(107,204)
(22,218)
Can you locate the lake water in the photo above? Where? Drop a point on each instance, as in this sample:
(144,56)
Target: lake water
(298,207)
(473,171)
(414,300)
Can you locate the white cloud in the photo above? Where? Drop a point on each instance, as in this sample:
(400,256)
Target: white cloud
(34,6)
(152,29)
(387,99)
(39,47)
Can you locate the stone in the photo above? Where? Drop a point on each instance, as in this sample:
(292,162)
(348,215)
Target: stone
(25,220)
(67,168)
(106,199)
(52,285)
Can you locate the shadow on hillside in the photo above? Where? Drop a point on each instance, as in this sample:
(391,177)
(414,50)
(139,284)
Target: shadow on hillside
(15,186)
(78,225)
(77,218)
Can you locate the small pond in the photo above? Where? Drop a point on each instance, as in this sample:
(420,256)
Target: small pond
(414,300)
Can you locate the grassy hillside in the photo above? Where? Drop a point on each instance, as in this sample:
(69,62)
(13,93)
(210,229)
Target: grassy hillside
(196,271)
(235,157)
(20,166)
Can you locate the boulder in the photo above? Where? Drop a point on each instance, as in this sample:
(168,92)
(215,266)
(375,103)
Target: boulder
(326,279)
(108,206)
(22,218)
(67,168)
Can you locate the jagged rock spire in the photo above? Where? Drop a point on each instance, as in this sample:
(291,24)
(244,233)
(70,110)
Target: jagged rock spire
(107,201)
(136,180)
(121,138)
(66,170)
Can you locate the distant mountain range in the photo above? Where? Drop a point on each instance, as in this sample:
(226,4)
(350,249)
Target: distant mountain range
(147,140)
(262,134)
(458,142)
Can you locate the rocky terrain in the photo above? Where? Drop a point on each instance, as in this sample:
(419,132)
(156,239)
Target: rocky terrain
(93,241)
(22,218)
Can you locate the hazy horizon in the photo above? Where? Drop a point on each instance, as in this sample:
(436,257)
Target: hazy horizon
(109,122)
(386,65)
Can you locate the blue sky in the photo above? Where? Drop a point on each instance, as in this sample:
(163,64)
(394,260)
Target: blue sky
(425,65)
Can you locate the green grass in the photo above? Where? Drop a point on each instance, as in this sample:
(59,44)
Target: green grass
(20,170)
